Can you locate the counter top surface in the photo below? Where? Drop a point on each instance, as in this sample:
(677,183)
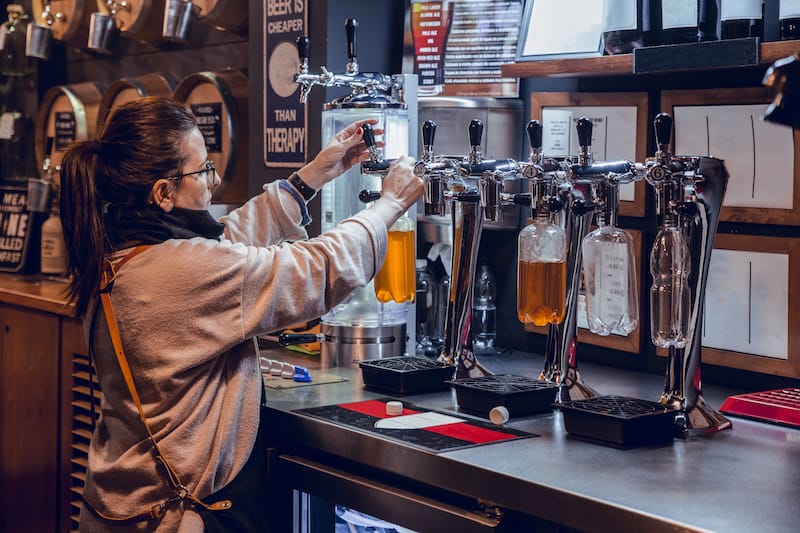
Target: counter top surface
(35,291)
(744,479)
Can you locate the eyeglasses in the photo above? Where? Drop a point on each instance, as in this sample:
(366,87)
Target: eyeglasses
(208,172)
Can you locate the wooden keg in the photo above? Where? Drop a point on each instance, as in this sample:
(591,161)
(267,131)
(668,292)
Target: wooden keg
(219,101)
(67,113)
(68,19)
(125,90)
(228,15)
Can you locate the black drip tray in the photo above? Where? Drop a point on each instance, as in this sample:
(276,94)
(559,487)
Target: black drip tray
(520,395)
(619,421)
(406,375)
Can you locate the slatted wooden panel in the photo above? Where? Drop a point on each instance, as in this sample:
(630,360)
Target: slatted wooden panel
(85,400)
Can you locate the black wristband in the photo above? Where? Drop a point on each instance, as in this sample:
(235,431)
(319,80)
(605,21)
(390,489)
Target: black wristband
(301,186)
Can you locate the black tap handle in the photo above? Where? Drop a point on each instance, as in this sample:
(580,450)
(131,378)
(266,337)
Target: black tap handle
(663,126)
(366,196)
(350,26)
(428,132)
(475,132)
(535,133)
(303,44)
(584,131)
(48,151)
(368,135)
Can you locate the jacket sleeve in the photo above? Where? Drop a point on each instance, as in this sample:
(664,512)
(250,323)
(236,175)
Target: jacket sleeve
(268,218)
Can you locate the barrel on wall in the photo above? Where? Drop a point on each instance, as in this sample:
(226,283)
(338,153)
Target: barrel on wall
(67,113)
(125,90)
(68,19)
(229,15)
(219,101)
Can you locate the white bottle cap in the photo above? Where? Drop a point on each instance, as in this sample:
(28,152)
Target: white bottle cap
(394,408)
(498,415)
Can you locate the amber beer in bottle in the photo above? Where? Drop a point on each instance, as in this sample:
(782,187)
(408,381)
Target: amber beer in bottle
(397,279)
(542,272)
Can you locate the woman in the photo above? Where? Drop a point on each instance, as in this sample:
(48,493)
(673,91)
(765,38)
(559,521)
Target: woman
(189,294)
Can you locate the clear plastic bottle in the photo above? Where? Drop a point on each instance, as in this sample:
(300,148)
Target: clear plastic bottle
(484,312)
(542,272)
(609,271)
(427,302)
(670,266)
(396,280)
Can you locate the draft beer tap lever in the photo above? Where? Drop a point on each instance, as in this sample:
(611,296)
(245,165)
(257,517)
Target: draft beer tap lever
(376,164)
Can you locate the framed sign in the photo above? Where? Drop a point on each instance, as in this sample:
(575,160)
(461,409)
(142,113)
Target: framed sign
(627,343)
(620,131)
(457,47)
(560,29)
(16,229)
(751,319)
(761,157)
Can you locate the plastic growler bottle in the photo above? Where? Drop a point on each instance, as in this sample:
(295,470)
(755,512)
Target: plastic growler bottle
(609,271)
(630,24)
(484,312)
(741,18)
(542,272)
(789,17)
(670,266)
(396,281)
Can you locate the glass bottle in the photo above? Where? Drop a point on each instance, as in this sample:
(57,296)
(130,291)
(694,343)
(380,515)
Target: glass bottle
(542,272)
(670,266)
(609,270)
(53,252)
(484,311)
(396,281)
(441,310)
(707,20)
(427,298)
(679,21)
(741,18)
(629,24)
(789,17)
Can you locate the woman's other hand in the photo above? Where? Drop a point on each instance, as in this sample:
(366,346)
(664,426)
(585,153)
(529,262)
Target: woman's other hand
(344,150)
(401,188)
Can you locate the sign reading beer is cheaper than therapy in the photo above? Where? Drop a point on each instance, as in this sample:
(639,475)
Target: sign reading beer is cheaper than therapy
(284,115)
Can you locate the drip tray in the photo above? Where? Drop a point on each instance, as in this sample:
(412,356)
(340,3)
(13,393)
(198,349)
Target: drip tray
(520,395)
(619,421)
(406,375)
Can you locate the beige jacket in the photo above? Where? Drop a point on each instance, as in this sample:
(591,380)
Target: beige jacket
(187,312)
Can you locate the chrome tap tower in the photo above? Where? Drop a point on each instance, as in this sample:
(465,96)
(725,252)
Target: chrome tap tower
(361,327)
(689,191)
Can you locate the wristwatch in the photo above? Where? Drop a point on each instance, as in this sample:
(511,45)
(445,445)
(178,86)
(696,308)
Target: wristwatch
(301,186)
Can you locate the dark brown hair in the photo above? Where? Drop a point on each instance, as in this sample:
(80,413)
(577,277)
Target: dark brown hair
(142,141)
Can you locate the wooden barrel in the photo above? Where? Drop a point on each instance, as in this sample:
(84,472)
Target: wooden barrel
(67,113)
(219,101)
(68,19)
(126,89)
(228,15)
(143,21)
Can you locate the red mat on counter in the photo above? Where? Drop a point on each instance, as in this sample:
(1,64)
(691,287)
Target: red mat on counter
(446,437)
(781,406)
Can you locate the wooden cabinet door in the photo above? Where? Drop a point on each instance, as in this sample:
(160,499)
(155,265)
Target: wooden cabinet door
(29,390)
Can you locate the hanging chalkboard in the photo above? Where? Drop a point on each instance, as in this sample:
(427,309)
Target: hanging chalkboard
(18,228)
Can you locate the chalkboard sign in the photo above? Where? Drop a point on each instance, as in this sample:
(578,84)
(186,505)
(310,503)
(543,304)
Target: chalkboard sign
(18,228)
(209,120)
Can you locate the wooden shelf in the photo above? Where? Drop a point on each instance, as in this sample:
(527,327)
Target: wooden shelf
(619,64)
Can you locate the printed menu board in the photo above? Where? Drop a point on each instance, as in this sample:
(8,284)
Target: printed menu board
(457,47)
(16,226)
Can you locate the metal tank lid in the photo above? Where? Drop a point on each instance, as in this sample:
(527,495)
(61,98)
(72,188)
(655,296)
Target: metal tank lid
(468,102)
(365,101)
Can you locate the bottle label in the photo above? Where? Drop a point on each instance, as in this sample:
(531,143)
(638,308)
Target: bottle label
(7,124)
(612,295)
(619,15)
(679,14)
(741,9)
(789,9)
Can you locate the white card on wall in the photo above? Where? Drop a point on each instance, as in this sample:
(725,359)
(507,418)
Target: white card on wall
(747,303)
(758,155)
(613,135)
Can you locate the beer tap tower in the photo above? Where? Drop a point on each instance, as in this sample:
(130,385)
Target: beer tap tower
(689,191)
(474,187)
(361,327)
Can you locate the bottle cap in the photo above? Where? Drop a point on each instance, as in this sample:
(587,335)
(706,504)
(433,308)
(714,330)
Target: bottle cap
(498,415)
(394,408)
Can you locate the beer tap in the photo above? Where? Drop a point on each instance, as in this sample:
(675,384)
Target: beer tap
(376,164)
(473,187)
(364,85)
(689,192)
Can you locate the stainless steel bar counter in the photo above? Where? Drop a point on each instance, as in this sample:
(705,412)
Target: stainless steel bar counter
(744,479)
